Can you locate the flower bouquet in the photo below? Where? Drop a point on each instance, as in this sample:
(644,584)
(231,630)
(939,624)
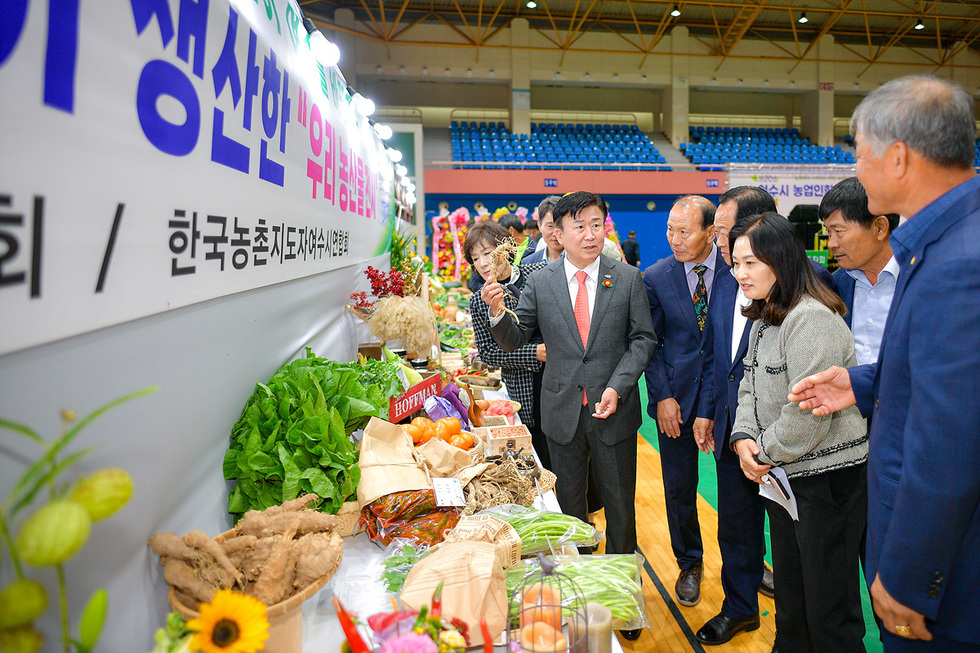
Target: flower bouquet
(410,631)
(231,623)
(399,312)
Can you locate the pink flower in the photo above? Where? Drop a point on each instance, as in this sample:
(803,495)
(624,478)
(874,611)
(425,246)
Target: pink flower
(410,643)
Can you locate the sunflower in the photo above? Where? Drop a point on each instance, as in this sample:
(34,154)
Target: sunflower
(231,623)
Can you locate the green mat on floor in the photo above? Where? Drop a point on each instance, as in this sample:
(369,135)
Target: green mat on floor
(708,488)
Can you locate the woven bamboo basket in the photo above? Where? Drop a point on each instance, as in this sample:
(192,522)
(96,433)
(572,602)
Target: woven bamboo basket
(285,618)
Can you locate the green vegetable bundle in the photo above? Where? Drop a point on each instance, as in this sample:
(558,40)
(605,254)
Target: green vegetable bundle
(401,558)
(456,337)
(541,530)
(293,435)
(612,580)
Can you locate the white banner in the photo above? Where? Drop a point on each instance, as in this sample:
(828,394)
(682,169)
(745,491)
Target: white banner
(790,186)
(159,153)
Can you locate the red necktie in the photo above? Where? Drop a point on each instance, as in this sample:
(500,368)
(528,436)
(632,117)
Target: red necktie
(582,315)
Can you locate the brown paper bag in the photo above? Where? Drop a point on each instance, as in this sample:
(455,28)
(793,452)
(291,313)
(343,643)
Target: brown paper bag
(473,586)
(446,461)
(487,528)
(389,462)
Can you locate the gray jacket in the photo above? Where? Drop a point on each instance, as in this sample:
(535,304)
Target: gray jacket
(810,339)
(621,340)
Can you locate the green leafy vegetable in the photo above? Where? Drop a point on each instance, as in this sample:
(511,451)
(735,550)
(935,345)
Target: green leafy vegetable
(397,566)
(294,433)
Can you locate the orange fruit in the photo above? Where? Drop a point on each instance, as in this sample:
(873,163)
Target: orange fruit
(467,439)
(422,421)
(415,431)
(458,441)
(453,423)
(428,432)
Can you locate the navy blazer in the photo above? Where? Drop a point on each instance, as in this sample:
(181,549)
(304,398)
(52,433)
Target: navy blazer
(722,375)
(923,480)
(675,367)
(845,288)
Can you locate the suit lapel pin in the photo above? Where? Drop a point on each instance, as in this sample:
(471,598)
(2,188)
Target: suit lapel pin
(607,282)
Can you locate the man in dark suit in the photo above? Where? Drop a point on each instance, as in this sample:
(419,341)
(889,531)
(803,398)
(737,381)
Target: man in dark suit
(631,250)
(741,512)
(590,405)
(679,291)
(868,271)
(915,148)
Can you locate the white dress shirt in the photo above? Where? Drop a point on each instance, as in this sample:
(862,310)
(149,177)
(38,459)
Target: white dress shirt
(591,281)
(739,321)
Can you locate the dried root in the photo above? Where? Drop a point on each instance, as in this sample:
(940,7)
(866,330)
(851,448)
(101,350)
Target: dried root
(504,252)
(272,555)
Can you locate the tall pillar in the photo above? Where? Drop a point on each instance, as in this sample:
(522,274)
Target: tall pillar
(677,98)
(817,111)
(347,43)
(520,78)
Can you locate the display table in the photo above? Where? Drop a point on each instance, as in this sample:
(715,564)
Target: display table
(358,586)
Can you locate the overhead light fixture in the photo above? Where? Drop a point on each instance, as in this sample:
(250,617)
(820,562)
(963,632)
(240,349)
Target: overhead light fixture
(675,12)
(557,74)
(615,77)
(490,74)
(448,72)
(378,70)
(401,69)
(765,83)
(531,4)
(586,77)
(919,25)
(425,70)
(327,53)
(469,72)
(802,19)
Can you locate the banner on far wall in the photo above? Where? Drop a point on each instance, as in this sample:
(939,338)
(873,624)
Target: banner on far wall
(790,187)
(159,153)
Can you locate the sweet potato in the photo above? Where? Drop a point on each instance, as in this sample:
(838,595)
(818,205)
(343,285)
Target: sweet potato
(320,555)
(262,525)
(276,579)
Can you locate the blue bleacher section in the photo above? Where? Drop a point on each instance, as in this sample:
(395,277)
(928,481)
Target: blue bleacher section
(976,154)
(710,148)
(552,146)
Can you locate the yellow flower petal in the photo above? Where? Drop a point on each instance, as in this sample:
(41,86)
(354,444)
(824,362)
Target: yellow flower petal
(231,623)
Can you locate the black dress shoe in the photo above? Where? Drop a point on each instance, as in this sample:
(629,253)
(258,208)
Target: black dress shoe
(687,589)
(720,629)
(631,635)
(766,588)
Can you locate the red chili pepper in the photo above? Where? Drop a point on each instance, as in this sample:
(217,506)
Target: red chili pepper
(487,641)
(357,644)
(437,601)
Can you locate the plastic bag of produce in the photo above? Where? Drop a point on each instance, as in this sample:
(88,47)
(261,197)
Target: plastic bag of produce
(612,580)
(544,531)
(400,556)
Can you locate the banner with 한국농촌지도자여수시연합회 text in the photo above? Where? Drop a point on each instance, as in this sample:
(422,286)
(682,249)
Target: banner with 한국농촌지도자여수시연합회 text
(159,153)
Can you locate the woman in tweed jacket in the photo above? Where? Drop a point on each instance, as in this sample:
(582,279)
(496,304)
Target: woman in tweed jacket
(797,331)
(519,367)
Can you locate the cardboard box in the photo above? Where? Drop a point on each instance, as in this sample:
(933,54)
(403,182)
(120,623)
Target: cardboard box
(412,400)
(499,439)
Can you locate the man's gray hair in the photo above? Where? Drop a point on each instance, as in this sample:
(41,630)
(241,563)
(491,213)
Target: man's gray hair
(932,116)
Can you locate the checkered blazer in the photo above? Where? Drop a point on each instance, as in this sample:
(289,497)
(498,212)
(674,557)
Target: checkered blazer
(517,367)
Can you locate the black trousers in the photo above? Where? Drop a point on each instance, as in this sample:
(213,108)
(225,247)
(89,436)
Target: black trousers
(741,536)
(818,592)
(614,475)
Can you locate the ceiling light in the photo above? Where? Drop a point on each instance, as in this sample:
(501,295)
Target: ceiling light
(675,12)
(802,18)
(425,70)
(557,74)
(469,72)
(615,77)
(531,4)
(327,53)
(401,69)
(586,77)
(378,70)
(447,71)
(765,83)
(490,74)
(919,25)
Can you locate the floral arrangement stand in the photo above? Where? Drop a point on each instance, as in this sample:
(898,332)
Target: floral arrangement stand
(285,618)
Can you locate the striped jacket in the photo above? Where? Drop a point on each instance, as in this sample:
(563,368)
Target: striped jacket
(517,368)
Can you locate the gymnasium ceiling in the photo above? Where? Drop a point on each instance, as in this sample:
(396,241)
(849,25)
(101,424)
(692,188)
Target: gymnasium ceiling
(868,29)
